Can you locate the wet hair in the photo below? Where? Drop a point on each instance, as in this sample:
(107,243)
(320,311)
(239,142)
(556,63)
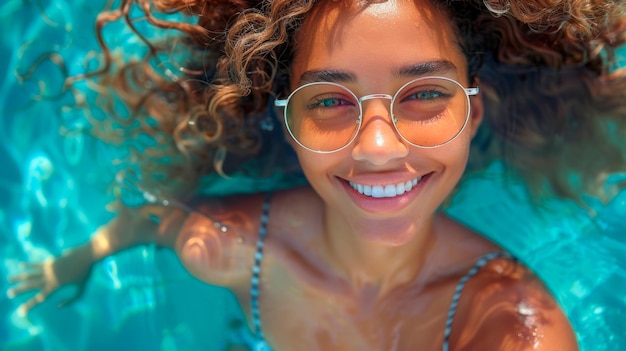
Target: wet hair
(555,102)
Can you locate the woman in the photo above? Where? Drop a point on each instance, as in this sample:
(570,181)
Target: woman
(380,101)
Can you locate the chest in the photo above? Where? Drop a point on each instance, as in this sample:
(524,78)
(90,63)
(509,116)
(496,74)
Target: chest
(306,308)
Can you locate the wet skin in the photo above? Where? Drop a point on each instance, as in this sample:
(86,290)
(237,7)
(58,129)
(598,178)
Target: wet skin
(343,271)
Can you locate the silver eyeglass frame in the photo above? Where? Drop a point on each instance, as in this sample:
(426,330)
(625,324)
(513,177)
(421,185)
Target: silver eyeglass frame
(468,92)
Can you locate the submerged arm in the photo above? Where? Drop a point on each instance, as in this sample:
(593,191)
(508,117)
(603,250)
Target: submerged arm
(218,251)
(130,228)
(137,226)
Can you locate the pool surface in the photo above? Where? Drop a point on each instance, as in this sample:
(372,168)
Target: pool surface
(53,182)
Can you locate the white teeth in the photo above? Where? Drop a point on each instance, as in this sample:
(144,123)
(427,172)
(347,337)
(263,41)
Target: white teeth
(378,191)
(367,190)
(360,188)
(389,190)
(400,188)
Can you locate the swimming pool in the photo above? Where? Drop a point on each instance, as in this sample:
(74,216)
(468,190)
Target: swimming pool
(53,193)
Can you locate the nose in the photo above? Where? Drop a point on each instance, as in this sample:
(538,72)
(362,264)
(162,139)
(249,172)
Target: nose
(378,141)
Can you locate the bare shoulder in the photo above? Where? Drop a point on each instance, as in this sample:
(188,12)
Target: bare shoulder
(217,241)
(506,307)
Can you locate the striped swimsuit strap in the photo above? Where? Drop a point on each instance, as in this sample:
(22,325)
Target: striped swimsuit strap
(260,344)
(459,290)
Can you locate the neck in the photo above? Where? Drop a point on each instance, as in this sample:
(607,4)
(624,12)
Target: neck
(384,254)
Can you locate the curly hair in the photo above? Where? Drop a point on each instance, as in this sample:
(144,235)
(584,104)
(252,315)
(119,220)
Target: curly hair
(555,101)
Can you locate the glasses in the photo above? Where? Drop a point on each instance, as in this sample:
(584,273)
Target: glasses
(426,112)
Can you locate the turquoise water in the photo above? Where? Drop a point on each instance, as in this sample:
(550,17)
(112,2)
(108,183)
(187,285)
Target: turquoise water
(53,193)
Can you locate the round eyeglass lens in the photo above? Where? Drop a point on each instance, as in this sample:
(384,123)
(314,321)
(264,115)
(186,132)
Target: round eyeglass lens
(430,111)
(323,117)
(426,112)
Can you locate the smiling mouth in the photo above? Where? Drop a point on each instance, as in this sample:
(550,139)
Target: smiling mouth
(389,190)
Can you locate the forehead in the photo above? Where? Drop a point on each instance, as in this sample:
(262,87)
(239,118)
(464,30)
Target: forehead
(369,38)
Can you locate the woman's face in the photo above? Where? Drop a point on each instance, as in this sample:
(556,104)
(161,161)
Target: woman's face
(376,49)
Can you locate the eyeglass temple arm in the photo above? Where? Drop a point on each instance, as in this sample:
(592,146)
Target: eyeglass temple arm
(280,103)
(468,91)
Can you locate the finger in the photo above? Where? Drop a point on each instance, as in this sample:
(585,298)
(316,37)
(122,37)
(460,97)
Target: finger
(25,287)
(28,305)
(30,265)
(25,277)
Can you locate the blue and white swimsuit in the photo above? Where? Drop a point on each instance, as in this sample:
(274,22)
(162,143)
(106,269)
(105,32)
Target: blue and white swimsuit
(256,341)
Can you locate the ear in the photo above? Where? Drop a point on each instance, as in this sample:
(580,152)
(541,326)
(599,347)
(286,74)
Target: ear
(476,111)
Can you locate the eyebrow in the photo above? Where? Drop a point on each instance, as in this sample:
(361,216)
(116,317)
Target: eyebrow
(415,70)
(333,76)
(426,68)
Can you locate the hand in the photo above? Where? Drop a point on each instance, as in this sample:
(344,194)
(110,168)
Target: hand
(73,267)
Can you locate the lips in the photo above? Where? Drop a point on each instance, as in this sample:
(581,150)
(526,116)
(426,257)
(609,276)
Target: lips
(386,190)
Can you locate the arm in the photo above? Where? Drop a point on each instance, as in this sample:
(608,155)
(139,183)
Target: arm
(213,241)
(137,226)
(130,228)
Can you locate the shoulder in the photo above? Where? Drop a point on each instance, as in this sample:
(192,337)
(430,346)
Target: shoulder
(506,307)
(217,241)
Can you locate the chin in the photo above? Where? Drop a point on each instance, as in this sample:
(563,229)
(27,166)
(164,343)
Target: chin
(390,233)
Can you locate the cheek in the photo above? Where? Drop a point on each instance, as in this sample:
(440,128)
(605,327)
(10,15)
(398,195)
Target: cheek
(314,163)
(314,166)
(459,151)
(319,169)
(459,158)
(454,156)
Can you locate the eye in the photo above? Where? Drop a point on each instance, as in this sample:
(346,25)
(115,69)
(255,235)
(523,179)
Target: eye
(425,95)
(327,102)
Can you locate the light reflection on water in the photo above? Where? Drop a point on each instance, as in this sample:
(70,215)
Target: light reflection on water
(52,193)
